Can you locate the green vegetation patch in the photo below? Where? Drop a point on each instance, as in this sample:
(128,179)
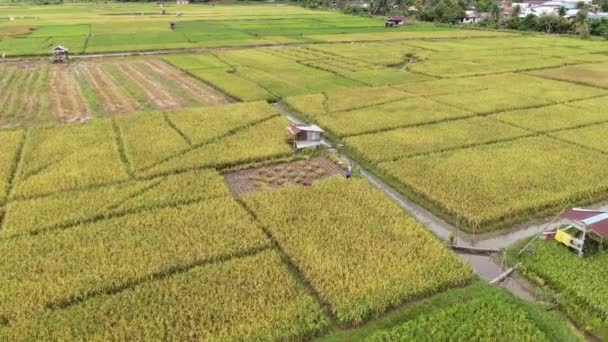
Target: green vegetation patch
(595,74)
(578,282)
(591,136)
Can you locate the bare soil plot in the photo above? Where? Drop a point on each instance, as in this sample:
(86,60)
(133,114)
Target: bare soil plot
(302,172)
(66,96)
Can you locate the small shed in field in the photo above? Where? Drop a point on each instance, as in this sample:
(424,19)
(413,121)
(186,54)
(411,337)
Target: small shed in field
(395,20)
(182,2)
(581,227)
(60,54)
(471,17)
(305,136)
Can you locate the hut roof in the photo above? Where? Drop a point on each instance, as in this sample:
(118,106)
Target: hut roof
(594,220)
(60,48)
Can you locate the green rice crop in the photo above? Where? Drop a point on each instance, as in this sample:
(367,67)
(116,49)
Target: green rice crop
(577,281)
(595,74)
(358,250)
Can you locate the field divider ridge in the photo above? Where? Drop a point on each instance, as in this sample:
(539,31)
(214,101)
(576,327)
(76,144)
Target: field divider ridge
(153,277)
(292,266)
(122,152)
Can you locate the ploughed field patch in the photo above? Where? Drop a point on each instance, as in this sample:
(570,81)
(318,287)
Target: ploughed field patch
(81,90)
(302,172)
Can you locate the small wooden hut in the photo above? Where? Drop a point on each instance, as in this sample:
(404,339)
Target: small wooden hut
(60,54)
(305,136)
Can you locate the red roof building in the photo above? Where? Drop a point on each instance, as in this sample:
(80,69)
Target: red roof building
(581,225)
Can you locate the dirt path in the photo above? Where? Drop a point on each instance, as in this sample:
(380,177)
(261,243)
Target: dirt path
(203,93)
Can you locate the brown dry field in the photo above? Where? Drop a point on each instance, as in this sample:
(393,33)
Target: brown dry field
(111,87)
(302,172)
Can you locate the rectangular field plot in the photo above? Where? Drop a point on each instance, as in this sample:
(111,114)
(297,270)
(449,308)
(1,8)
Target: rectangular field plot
(393,53)
(67,265)
(556,117)
(577,282)
(69,157)
(595,137)
(591,74)
(399,143)
(258,142)
(408,112)
(437,33)
(509,95)
(259,300)
(18,80)
(483,186)
(357,249)
(72,208)
(10,143)
(486,312)
(313,105)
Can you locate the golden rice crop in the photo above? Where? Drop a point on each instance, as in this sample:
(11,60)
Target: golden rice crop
(485,185)
(403,113)
(67,265)
(395,144)
(72,208)
(357,249)
(149,138)
(201,125)
(593,136)
(259,300)
(555,117)
(261,141)
(9,141)
(68,157)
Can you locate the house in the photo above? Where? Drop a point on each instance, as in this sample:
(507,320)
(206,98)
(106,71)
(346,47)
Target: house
(305,136)
(182,2)
(470,17)
(395,20)
(59,54)
(582,227)
(360,4)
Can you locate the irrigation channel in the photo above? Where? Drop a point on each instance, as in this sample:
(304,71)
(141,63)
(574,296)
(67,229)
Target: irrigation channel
(480,251)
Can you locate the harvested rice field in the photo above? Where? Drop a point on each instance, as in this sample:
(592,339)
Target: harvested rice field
(85,89)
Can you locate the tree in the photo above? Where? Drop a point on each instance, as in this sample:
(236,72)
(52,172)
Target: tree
(561,11)
(604,6)
(581,25)
(445,11)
